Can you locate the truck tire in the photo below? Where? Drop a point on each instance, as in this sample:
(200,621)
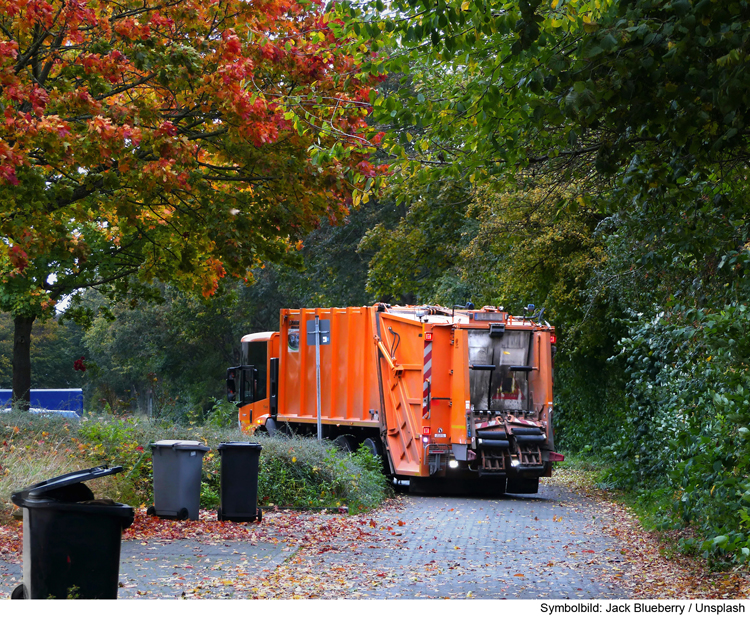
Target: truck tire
(375,446)
(346,443)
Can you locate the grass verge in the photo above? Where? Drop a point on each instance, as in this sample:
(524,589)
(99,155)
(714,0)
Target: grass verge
(294,472)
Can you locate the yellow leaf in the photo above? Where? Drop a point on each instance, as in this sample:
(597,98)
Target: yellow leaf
(555,3)
(465,5)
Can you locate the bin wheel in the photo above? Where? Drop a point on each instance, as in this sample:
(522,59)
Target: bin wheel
(183,514)
(219,516)
(19,593)
(150,511)
(260,516)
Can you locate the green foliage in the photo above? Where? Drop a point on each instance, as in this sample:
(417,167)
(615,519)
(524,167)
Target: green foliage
(300,471)
(174,348)
(605,145)
(294,472)
(688,426)
(412,255)
(222,414)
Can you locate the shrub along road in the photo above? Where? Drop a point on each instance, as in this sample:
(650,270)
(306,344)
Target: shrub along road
(567,542)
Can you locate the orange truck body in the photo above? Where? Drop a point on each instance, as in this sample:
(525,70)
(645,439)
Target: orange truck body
(441,394)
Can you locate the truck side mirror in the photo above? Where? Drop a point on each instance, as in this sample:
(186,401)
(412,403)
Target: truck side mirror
(231,386)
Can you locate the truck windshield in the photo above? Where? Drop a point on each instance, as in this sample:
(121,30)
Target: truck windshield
(495,382)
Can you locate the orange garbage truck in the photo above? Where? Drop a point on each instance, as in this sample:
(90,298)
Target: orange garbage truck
(446,396)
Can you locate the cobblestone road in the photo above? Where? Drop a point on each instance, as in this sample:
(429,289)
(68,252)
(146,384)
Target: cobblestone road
(549,545)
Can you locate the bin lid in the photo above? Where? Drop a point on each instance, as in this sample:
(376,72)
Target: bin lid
(234,444)
(75,477)
(180,444)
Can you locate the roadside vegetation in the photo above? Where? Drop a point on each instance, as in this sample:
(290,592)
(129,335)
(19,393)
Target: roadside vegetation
(591,158)
(654,509)
(294,472)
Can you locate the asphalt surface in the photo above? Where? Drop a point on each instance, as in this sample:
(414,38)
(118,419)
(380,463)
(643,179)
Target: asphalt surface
(545,546)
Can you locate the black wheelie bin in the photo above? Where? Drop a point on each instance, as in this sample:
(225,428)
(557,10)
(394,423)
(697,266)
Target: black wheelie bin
(178,465)
(71,540)
(239,482)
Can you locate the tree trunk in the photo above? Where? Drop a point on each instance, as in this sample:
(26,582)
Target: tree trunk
(22,361)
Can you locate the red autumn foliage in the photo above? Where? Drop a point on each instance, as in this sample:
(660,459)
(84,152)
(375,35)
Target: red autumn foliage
(125,126)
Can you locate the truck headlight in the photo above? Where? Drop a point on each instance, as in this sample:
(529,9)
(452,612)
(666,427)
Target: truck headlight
(453,464)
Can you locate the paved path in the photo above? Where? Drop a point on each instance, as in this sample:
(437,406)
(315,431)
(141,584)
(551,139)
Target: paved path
(530,547)
(549,545)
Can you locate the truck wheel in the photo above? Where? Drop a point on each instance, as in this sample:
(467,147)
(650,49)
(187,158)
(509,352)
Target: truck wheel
(346,443)
(375,447)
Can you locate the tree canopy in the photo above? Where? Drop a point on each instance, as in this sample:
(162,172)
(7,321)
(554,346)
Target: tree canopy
(182,141)
(604,147)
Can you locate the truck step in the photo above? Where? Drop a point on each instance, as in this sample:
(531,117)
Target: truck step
(530,456)
(492,463)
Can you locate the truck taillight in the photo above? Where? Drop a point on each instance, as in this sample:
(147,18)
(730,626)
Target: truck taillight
(555,457)
(428,336)
(426,431)
(552,339)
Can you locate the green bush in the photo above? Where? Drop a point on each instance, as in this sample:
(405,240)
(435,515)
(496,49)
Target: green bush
(301,471)
(687,432)
(294,472)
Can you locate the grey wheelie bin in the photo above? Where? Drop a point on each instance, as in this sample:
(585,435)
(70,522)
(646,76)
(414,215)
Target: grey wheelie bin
(239,482)
(178,465)
(71,540)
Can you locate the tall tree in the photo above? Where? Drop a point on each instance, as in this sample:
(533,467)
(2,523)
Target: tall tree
(643,106)
(181,140)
